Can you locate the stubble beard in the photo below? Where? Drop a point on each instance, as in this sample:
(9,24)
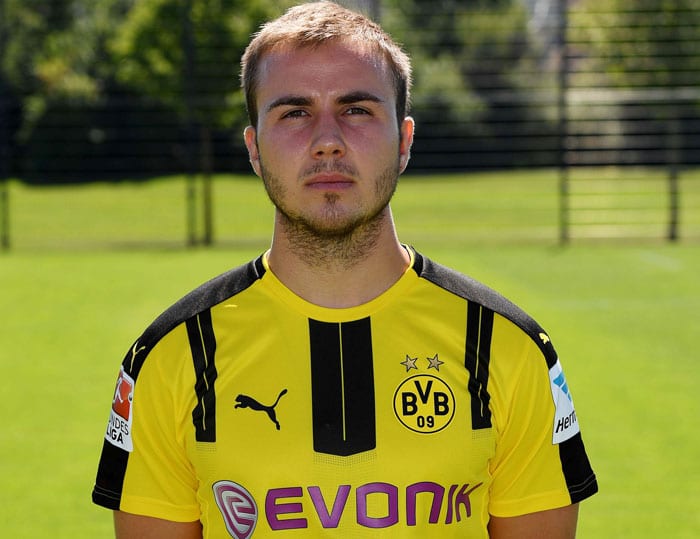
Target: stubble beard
(335,239)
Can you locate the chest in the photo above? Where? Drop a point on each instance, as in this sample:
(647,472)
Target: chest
(360,423)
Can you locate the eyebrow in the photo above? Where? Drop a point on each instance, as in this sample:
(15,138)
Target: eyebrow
(289,101)
(302,101)
(356,97)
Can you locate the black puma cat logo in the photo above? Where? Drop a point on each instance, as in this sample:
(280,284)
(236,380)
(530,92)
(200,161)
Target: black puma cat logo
(244,401)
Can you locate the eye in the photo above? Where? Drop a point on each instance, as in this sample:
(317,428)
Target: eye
(295,113)
(352,111)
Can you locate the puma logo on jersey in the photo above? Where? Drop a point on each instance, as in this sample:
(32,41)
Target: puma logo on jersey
(244,401)
(134,353)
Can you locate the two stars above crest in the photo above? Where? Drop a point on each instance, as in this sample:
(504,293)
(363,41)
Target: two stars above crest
(433,362)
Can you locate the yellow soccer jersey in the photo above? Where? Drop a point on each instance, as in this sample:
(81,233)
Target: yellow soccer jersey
(417,414)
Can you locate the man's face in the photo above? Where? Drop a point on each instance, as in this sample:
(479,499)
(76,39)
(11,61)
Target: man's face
(327,142)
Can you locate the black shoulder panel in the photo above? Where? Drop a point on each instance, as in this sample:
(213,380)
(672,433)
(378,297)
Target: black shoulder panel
(474,291)
(580,479)
(202,298)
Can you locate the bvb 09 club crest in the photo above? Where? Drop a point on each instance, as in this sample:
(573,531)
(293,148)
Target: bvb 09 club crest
(424,404)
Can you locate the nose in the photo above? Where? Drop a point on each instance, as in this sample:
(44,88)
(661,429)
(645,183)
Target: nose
(328,138)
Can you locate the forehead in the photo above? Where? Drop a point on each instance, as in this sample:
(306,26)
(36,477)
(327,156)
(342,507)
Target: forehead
(335,66)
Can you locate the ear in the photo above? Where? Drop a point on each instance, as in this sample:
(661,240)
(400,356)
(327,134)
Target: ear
(406,141)
(249,135)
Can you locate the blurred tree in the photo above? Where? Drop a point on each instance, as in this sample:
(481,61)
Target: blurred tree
(651,43)
(56,51)
(186,54)
(475,63)
(182,53)
(645,58)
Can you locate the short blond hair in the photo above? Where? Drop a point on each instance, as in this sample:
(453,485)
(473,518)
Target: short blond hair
(316,23)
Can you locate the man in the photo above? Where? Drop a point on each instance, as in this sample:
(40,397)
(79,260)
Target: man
(342,384)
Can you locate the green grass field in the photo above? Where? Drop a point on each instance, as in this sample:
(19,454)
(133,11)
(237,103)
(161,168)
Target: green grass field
(94,265)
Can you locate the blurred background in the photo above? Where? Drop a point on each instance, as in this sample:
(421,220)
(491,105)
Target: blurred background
(557,159)
(598,99)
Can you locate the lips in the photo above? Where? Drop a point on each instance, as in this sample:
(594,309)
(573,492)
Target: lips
(329,181)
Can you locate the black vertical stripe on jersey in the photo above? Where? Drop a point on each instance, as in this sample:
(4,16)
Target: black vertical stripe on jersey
(114,460)
(342,387)
(476,360)
(200,333)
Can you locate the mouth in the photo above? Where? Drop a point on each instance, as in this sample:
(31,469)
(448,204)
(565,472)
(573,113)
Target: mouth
(329,181)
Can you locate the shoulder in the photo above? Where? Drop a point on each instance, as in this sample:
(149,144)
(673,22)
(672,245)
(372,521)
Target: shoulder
(194,303)
(477,293)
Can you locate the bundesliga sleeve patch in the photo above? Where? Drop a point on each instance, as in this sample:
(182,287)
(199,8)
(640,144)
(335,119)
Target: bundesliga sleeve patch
(120,419)
(565,422)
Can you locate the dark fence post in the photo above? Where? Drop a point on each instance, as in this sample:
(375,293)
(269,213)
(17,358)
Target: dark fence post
(674,204)
(207,194)
(673,165)
(4,145)
(4,187)
(4,183)
(562,114)
(187,74)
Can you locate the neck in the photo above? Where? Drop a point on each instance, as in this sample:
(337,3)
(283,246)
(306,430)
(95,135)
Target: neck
(338,271)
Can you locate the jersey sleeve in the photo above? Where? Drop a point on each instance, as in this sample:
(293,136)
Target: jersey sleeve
(540,462)
(144,467)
